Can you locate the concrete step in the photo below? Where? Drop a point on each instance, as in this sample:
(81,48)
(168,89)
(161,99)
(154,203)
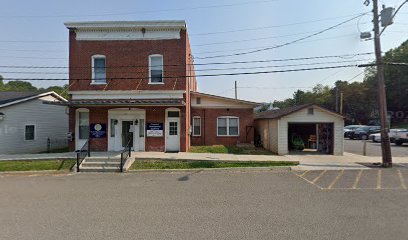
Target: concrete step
(102,159)
(99,169)
(100,164)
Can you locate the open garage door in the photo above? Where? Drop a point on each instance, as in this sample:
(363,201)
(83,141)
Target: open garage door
(310,138)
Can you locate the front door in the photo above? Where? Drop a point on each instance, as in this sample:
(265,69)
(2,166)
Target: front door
(173,135)
(127,133)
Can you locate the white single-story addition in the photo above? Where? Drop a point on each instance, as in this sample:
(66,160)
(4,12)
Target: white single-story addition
(29,126)
(319,129)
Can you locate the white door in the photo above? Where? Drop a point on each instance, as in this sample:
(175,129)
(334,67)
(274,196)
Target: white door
(82,129)
(173,134)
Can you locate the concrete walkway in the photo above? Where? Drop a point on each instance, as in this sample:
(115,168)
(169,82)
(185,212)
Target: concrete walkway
(306,161)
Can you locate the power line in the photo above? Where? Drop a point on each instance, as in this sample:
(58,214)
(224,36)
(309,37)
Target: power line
(240,49)
(287,43)
(140,12)
(208,69)
(343,56)
(186,76)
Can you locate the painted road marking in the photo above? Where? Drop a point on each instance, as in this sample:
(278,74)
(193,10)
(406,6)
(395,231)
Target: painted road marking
(303,174)
(318,177)
(336,179)
(379,179)
(403,186)
(358,177)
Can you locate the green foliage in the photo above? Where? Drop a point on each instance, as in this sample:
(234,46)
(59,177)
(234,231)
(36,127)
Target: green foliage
(27,86)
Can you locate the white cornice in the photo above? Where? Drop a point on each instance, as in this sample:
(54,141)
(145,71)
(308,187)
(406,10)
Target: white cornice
(137,25)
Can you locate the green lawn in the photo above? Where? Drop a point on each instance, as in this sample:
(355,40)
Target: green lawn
(36,165)
(229,149)
(161,164)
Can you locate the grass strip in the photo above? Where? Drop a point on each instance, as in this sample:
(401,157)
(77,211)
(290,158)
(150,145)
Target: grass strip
(160,164)
(229,149)
(36,165)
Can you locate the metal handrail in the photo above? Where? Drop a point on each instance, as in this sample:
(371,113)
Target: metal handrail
(84,152)
(126,152)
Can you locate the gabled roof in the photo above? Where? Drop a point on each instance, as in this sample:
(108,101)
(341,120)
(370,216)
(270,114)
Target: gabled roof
(225,98)
(278,113)
(14,97)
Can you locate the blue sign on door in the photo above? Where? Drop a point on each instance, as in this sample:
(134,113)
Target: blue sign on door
(97,130)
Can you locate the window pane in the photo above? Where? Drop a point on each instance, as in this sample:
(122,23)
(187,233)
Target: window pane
(141,128)
(156,69)
(113,127)
(222,126)
(173,114)
(99,69)
(172,128)
(233,131)
(29,132)
(197,126)
(83,125)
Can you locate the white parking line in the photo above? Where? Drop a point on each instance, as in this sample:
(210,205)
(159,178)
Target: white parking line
(318,177)
(358,177)
(403,186)
(379,175)
(336,179)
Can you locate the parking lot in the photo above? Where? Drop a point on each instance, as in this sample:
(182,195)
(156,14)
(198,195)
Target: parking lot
(374,179)
(373,149)
(206,205)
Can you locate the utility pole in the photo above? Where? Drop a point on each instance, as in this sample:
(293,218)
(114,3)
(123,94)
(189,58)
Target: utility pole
(341,102)
(337,100)
(385,140)
(236,90)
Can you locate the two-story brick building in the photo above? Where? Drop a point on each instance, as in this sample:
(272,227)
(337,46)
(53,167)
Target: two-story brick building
(134,83)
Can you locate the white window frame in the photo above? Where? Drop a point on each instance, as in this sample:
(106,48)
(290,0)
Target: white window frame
(228,118)
(150,68)
(35,132)
(93,68)
(194,134)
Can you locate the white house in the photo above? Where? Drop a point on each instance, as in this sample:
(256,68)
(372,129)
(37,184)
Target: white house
(26,123)
(320,129)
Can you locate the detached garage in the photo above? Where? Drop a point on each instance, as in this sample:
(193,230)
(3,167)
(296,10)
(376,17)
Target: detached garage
(304,128)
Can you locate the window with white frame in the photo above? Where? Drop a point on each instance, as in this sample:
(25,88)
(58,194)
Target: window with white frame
(156,69)
(227,126)
(196,126)
(83,122)
(98,69)
(29,133)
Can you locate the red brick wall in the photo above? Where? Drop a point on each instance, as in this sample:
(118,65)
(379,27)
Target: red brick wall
(130,53)
(209,126)
(153,114)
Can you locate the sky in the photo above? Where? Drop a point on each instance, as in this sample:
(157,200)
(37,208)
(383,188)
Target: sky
(33,34)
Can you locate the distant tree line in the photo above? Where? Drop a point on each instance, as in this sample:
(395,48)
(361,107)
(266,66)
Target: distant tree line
(27,86)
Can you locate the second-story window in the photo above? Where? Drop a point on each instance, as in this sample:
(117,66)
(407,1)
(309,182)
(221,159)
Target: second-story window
(98,69)
(155,69)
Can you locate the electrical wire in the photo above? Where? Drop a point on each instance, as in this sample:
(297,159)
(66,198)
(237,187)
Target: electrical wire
(287,43)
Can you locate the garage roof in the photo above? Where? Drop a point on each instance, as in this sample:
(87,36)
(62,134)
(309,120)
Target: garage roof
(278,113)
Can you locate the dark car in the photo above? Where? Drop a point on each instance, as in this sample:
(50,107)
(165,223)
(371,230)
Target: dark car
(350,128)
(364,132)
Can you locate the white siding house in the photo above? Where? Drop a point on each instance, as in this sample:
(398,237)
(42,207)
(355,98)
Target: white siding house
(26,122)
(273,127)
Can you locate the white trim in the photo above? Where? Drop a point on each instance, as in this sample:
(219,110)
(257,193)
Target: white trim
(150,70)
(178,127)
(196,135)
(160,24)
(121,92)
(34,97)
(35,132)
(97,56)
(228,117)
(77,111)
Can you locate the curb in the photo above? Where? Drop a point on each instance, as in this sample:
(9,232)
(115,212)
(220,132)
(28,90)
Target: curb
(236,169)
(35,172)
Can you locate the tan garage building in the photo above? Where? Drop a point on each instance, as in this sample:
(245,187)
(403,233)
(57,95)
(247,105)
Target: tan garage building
(318,129)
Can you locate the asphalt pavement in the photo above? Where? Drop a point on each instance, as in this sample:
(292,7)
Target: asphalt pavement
(373,149)
(206,205)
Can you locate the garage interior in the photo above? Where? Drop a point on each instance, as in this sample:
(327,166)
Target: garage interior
(311,137)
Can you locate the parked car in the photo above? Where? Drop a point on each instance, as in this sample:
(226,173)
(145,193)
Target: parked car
(363,132)
(400,138)
(376,137)
(348,129)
